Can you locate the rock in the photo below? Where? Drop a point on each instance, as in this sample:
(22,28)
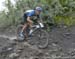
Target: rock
(9,49)
(64,27)
(39,53)
(67,34)
(19,51)
(74,49)
(27,44)
(47,53)
(54,44)
(13,55)
(54,56)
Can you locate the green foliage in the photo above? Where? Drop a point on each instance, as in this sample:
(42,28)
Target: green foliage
(54,11)
(65,20)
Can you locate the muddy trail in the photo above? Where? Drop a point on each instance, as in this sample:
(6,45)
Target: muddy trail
(61,45)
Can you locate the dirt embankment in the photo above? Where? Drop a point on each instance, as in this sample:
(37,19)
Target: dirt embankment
(61,46)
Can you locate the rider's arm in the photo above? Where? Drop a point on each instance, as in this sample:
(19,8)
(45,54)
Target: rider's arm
(29,17)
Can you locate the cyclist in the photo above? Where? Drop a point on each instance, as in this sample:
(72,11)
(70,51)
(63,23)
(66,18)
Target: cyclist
(27,18)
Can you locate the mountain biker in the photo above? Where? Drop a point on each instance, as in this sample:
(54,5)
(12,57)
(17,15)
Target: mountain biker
(27,18)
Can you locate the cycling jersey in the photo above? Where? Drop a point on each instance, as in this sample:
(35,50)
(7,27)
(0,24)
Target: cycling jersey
(29,13)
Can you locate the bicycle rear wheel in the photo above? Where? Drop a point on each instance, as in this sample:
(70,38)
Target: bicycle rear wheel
(19,28)
(42,38)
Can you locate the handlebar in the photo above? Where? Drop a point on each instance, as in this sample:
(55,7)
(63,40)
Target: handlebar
(40,25)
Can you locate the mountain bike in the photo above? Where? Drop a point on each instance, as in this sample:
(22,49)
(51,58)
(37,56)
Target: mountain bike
(39,36)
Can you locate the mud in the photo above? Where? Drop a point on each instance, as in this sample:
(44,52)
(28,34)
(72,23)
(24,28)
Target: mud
(61,45)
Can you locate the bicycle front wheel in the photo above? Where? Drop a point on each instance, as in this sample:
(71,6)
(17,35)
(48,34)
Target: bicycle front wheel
(42,38)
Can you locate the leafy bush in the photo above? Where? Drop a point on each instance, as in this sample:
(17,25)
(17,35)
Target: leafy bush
(54,11)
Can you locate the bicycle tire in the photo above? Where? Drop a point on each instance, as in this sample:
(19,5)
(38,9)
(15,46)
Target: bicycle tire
(19,28)
(39,39)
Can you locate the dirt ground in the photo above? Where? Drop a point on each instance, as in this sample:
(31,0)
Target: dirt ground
(61,45)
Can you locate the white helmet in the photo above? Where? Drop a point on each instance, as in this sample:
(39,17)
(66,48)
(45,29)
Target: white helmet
(38,8)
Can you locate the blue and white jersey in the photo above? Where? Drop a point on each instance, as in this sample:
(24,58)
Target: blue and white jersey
(30,13)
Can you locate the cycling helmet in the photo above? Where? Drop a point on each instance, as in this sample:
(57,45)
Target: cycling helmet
(38,8)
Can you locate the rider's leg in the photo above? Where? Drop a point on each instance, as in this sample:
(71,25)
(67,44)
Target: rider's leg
(24,26)
(30,25)
(23,29)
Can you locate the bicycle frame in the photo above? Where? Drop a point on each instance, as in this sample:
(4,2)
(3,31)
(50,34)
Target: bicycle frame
(39,26)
